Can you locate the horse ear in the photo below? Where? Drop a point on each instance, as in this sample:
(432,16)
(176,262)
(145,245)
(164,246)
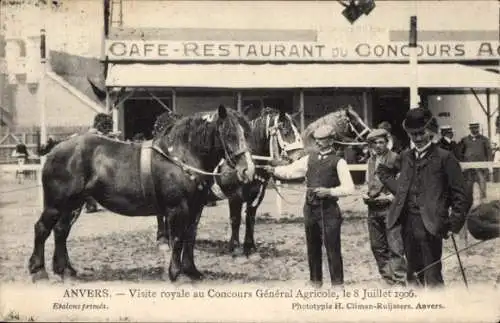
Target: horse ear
(222,112)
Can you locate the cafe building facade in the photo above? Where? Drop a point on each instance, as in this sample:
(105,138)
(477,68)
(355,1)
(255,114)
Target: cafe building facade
(302,57)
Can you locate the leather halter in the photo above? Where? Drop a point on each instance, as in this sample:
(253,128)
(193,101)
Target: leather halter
(275,137)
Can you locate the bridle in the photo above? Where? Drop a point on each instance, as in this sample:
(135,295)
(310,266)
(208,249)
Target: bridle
(359,135)
(184,166)
(228,158)
(275,137)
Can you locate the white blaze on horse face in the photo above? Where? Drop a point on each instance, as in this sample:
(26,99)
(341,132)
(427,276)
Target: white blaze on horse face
(209,117)
(249,169)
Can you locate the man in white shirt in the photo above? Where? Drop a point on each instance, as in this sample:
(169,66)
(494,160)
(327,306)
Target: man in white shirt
(327,178)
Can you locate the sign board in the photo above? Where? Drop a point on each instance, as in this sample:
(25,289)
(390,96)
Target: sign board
(266,51)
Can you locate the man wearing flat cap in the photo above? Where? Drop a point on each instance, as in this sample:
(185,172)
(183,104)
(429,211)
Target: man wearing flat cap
(476,148)
(429,198)
(446,142)
(386,245)
(327,178)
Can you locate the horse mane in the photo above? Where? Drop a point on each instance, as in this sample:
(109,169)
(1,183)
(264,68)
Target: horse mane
(338,119)
(197,131)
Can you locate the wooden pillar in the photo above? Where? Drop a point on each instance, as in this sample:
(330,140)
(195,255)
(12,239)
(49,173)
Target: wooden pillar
(414,98)
(108,101)
(488,112)
(301,109)
(174,100)
(239,101)
(365,108)
(116,117)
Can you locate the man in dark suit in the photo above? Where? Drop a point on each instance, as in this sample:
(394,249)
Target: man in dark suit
(446,142)
(476,148)
(429,185)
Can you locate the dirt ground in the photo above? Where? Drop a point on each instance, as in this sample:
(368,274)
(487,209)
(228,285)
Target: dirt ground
(107,247)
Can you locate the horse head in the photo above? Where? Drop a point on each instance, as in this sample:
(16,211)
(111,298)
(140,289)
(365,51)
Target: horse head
(283,137)
(349,128)
(232,140)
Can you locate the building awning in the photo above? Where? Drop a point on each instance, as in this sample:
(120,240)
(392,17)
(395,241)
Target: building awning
(241,76)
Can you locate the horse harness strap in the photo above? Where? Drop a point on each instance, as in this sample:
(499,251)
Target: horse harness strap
(146,175)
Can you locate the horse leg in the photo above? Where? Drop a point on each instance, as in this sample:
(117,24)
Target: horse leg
(188,266)
(162,234)
(61,264)
(174,269)
(177,221)
(43,227)
(249,244)
(235,218)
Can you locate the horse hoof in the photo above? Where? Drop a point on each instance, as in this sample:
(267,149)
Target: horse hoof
(193,274)
(173,274)
(70,272)
(249,249)
(237,252)
(40,275)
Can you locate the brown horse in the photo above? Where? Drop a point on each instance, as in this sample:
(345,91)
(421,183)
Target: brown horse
(168,176)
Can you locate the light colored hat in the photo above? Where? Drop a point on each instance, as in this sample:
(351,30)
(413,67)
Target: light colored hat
(473,124)
(377,133)
(322,132)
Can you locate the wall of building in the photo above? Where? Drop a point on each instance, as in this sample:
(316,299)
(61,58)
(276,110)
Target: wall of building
(189,103)
(464,109)
(62,107)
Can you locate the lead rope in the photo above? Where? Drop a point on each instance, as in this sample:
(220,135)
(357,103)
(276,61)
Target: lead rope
(184,165)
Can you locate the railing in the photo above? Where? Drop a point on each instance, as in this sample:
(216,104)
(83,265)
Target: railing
(353,167)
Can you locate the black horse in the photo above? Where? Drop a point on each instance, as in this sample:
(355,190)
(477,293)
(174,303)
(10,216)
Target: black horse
(274,137)
(167,176)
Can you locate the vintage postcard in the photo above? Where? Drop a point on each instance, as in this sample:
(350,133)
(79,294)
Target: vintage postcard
(249,161)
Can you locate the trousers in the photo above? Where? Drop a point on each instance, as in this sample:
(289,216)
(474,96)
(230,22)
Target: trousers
(387,246)
(322,227)
(422,249)
(476,176)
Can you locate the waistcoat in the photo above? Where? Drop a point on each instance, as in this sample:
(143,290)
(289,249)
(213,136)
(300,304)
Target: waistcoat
(321,172)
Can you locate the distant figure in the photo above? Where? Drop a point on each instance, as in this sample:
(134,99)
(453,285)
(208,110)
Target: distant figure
(21,154)
(394,144)
(496,159)
(475,148)
(45,149)
(446,142)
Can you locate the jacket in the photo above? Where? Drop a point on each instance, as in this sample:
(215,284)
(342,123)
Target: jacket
(375,185)
(443,188)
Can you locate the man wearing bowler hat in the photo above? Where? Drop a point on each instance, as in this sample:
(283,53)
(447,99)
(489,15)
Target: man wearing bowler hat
(430,198)
(475,148)
(327,178)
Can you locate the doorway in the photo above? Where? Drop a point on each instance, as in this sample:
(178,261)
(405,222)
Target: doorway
(140,116)
(391,105)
